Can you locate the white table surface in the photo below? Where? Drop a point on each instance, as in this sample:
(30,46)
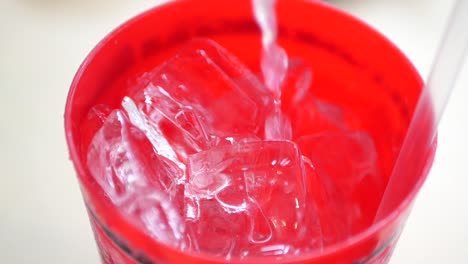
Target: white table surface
(42,43)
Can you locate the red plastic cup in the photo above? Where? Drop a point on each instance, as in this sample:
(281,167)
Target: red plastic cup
(353,66)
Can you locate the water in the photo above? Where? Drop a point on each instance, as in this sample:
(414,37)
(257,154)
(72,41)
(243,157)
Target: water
(274,65)
(274,62)
(204,156)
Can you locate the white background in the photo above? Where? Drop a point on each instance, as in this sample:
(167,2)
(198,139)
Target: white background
(42,43)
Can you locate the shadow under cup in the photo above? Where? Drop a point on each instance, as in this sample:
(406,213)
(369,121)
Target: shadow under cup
(353,66)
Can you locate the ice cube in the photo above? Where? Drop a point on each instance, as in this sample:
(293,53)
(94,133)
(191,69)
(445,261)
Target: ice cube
(249,196)
(158,215)
(354,151)
(142,184)
(336,213)
(204,91)
(308,114)
(313,115)
(182,125)
(215,231)
(153,132)
(91,124)
(348,175)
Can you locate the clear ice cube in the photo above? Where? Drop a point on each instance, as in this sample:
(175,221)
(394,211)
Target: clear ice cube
(336,213)
(93,121)
(246,197)
(152,131)
(312,116)
(308,114)
(344,167)
(142,184)
(354,151)
(200,96)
